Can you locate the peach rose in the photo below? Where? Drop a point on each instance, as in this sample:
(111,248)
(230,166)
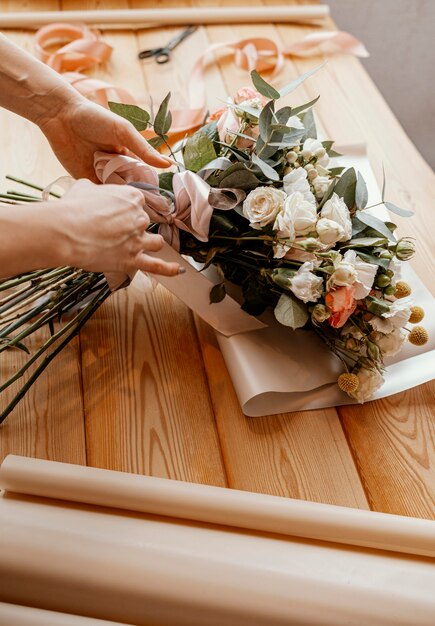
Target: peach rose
(341,302)
(216,115)
(247,93)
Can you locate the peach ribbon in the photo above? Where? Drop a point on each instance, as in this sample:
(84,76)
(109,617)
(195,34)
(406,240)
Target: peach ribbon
(190,209)
(83,49)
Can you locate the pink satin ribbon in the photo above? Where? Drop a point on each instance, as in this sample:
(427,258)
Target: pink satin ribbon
(82,49)
(190,211)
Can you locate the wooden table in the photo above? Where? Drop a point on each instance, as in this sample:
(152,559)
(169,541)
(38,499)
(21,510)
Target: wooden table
(145,389)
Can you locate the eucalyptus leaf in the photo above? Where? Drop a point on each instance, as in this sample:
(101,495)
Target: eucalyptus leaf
(156,142)
(263,87)
(210,130)
(284,91)
(283,115)
(265,120)
(267,170)
(165,180)
(375,260)
(376,224)
(336,171)
(217,293)
(399,211)
(238,176)
(253,112)
(328,193)
(198,152)
(361,193)
(346,187)
(383,183)
(163,119)
(309,124)
(328,147)
(365,242)
(305,106)
(134,114)
(291,312)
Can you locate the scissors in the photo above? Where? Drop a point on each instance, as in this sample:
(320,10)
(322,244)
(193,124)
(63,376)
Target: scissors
(163,55)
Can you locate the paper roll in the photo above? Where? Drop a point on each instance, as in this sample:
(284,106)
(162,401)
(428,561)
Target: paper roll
(216,505)
(137,18)
(17,615)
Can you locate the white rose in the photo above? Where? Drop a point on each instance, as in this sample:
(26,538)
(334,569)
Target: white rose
(284,229)
(369,382)
(296,180)
(365,274)
(343,276)
(397,317)
(391,343)
(313,147)
(301,212)
(335,209)
(305,285)
(321,185)
(262,205)
(329,231)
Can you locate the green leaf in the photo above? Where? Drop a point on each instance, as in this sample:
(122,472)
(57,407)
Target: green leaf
(198,152)
(268,171)
(239,177)
(395,209)
(134,114)
(383,183)
(361,193)
(365,242)
(282,115)
(291,312)
(282,277)
(346,187)
(163,119)
(310,124)
(165,180)
(375,260)
(302,108)
(217,293)
(263,87)
(265,120)
(336,171)
(328,193)
(376,224)
(298,81)
(156,142)
(328,147)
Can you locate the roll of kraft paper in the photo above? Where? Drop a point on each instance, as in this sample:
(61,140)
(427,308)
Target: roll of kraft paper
(216,505)
(137,18)
(140,569)
(16,615)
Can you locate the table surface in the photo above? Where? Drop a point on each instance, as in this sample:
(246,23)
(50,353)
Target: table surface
(145,389)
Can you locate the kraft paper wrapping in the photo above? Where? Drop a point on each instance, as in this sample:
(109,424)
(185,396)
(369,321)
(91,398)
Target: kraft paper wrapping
(17,615)
(78,556)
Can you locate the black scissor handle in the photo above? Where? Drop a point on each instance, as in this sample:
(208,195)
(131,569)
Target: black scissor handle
(162,56)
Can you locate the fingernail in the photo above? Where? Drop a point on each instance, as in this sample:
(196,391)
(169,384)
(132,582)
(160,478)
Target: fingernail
(181,270)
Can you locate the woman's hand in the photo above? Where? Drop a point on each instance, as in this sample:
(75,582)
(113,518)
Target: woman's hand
(103,229)
(82,128)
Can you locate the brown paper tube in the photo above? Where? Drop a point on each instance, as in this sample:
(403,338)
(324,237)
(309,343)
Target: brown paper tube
(138,18)
(159,496)
(17,615)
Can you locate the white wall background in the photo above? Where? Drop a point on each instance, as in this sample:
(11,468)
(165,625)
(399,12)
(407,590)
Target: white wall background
(400,36)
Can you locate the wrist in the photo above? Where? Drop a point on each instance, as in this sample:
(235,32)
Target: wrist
(54,106)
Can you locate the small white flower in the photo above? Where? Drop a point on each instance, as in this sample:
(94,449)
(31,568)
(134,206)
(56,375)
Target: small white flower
(315,148)
(296,180)
(391,343)
(369,382)
(397,317)
(305,285)
(365,274)
(320,313)
(321,184)
(329,231)
(262,205)
(344,275)
(335,209)
(291,157)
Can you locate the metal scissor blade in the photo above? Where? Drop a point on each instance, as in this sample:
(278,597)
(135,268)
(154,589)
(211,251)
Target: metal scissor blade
(181,37)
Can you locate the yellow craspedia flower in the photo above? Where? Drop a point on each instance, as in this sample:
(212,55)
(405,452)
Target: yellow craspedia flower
(402,289)
(417,314)
(348,383)
(418,336)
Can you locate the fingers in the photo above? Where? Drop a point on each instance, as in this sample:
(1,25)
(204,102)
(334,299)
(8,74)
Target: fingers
(151,242)
(141,148)
(157,266)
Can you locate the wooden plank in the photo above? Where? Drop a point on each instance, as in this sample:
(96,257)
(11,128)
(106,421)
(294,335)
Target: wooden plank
(392,440)
(48,423)
(147,405)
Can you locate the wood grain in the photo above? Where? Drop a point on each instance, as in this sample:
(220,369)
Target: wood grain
(48,423)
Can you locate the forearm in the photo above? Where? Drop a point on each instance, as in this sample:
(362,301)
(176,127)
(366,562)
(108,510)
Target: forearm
(29,239)
(30,88)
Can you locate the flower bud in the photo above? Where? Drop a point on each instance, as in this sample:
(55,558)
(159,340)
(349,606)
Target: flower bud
(390,290)
(309,167)
(310,245)
(383,280)
(320,153)
(307,154)
(319,314)
(373,351)
(291,156)
(405,249)
(386,254)
(376,306)
(312,174)
(282,277)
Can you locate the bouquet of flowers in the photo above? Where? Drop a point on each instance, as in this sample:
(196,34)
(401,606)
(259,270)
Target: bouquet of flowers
(258,196)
